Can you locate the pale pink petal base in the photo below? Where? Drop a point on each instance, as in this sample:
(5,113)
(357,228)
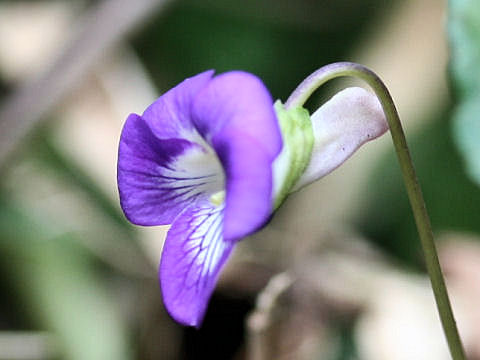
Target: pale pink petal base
(340,126)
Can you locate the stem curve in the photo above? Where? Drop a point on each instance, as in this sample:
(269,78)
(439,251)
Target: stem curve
(340,69)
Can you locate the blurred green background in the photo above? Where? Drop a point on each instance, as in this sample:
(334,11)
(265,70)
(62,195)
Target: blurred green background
(77,281)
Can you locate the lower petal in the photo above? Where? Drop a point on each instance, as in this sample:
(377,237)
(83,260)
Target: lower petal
(193,254)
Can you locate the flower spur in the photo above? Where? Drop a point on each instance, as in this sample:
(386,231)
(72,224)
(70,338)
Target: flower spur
(215,157)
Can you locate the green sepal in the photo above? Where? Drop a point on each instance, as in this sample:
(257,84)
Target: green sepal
(297,136)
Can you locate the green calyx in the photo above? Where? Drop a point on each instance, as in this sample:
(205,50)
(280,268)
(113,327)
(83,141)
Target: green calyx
(298,139)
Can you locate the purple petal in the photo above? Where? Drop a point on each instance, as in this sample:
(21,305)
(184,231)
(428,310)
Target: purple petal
(169,116)
(158,178)
(238,100)
(192,257)
(249,184)
(234,113)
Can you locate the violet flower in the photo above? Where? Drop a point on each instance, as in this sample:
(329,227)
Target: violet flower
(215,157)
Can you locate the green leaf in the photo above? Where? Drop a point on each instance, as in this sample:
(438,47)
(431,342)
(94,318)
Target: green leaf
(464,36)
(467,133)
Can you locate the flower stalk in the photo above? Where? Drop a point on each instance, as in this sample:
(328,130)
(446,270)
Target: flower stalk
(340,69)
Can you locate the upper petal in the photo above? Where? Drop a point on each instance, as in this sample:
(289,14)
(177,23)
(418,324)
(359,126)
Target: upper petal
(163,163)
(234,113)
(169,116)
(344,123)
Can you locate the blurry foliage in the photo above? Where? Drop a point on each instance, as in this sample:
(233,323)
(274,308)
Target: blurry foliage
(280,41)
(452,198)
(41,148)
(451,192)
(58,285)
(60,290)
(464,32)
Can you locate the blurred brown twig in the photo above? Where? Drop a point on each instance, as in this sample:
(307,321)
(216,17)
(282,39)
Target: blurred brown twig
(98,30)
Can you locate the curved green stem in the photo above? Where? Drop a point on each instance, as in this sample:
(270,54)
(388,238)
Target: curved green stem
(300,96)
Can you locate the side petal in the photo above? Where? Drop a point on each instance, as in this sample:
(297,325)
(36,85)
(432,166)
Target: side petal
(158,178)
(238,100)
(192,257)
(234,113)
(249,199)
(344,123)
(169,116)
